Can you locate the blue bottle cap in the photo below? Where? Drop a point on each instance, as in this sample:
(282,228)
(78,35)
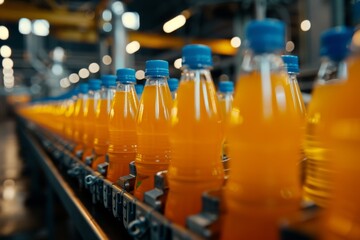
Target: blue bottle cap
(291,63)
(335,43)
(83,88)
(226,86)
(94,84)
(139,88)
(126,75)
(173,84)
(157,68)
(196,56)
(108,80)
(265,36)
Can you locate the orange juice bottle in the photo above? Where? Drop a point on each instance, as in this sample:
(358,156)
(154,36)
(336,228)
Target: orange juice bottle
(79,117)
(196,137)
(69,112)
(152,126)
(343,213)
(225,96)
(89,119)
(291,64)
(122,125)
(102,113)
(264,138)
(173,86)
(331,75)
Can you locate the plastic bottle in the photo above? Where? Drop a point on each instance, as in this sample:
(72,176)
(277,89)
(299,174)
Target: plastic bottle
(70,108)
(264,137)
(342,216)
(196,137)
(291,64)
(139,88)
(173,86)
(122,125)
(89,118)
(225,96)
(331,75)
(153,118)
(79,117)
(102,114)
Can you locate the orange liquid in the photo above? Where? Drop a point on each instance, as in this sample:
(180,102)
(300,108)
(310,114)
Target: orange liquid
(153,136)
(264,138)
(69,123)
(122,133)
(225,102)
(196,139)
(101,136)
(320,113)
(343,216)
(79,123)
(89,130)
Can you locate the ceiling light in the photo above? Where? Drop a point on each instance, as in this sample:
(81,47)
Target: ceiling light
(235,42)
(94,67)
(178,63)
(24,26)
(305,25)
(41,27)
(174,23)
(5,51)
(132,47)
(106,60)
(4,33)
(84,73)
(131,20)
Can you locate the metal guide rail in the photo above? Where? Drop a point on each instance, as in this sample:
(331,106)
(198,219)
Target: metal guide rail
(103,209)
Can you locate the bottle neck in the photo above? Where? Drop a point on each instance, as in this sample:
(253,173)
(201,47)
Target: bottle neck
(332,71)
(94,94)
(189,74)
(107,92)
(266,62)
(127,87)
(158,80)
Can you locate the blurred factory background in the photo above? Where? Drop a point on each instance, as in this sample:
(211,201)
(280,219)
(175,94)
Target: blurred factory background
(48,45)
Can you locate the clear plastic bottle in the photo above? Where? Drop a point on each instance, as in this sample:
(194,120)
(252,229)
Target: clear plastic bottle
(196,137)
(122,125)
(264,137)
(332,73)
(173,85)
(89,118)
(291,64)
(79,117)
(153,153)
(342,219)
(102,113)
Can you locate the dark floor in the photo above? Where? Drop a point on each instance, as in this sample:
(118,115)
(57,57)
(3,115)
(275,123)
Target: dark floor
(18,220)
(23,211)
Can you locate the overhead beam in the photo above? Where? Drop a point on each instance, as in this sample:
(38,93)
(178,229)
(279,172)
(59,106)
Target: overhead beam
(13,11)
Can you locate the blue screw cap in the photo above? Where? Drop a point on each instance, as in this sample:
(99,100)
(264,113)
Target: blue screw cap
(291,63)
(126,75)
(173,84)
(139,88)
(265,36)
(335,43)
(196,56)
(94,84)
(83,88)
(226,86)
(108,80)
(157,68)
